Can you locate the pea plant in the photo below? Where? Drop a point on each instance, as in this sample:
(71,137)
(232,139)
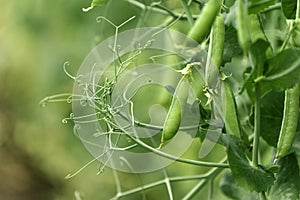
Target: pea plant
(246,100)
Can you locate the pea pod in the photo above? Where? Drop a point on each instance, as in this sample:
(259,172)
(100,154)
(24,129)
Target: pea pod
(217,45)
(231,121)
(204,22)
(289,122)
(173,118)
(198,84)
(217,40)
(244,38)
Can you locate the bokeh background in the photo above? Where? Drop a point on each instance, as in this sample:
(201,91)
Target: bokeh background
(36,149)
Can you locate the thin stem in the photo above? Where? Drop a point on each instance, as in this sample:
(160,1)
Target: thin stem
(160,10)
(137,175)
(271,8)
(183,160)
(155,127)
(188,178)
(117,181)
(260,3)
(256,126)
(195,190)
(291,28)
(298,10)
(188,12)
(211,189)
(160,182)
(139,189)
(145,7)
(168,186)
(71,175)
(210,176)
(203,177)
(165,9)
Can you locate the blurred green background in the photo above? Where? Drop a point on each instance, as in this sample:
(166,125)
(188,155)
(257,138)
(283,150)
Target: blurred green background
(36,150)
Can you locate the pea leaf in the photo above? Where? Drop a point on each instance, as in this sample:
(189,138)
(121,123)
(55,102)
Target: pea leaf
(248,177)
(271,116)
(255,6)
(258,58)
(256,28)
(228,3)
(283,71)
(230,188)
(289,8)
(258,55)
(231,46)
(296,145)
(287,185)
(96,3)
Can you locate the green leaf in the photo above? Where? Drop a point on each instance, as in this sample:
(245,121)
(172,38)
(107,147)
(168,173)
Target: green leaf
(258,58)
(255,6)
(233,191)
(248,177)
(287,184)
(273,168)
(289,8)
(296,145)
(228,3)
(228,186)
(256,29)
(231,46)
(258,55)
(283,71)
(271,116)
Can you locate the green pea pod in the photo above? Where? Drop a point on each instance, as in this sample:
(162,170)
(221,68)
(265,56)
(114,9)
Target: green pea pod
(198,84)
(231,121)
(217,39)
(204,22)
(244,38)
(173,118)
(289,122)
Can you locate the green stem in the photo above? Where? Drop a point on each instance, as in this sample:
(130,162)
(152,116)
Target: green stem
(298,10)
(211,189)
(188,12)
(178,159)
(160,10)
(154,127)
(210,176)
(260,3)
(276,6)
(163,8)
(256,126)
(291,29)
(161,182)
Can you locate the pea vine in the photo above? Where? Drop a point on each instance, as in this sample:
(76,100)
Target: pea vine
(255,48)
